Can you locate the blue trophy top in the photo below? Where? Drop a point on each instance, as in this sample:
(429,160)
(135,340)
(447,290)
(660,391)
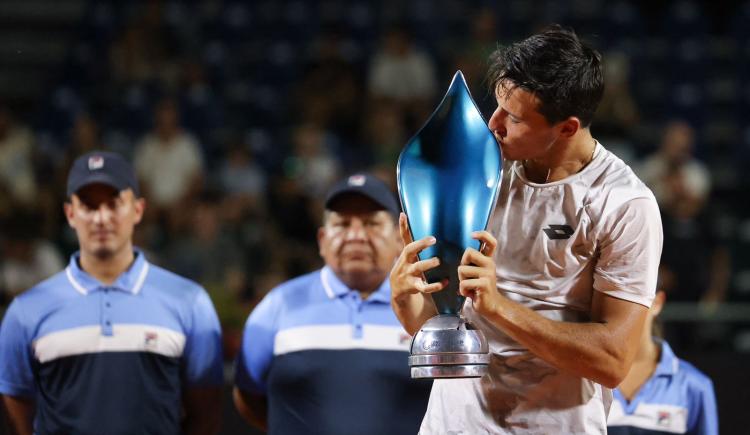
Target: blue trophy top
(448,180)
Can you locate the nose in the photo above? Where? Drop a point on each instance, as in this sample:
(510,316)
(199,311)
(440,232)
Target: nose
(497,122)
(356,230)
(102,214)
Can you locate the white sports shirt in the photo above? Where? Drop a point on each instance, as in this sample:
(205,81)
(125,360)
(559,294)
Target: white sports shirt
(598,229)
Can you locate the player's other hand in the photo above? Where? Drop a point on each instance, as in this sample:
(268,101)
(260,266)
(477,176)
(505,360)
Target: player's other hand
(407,275)
(477,275)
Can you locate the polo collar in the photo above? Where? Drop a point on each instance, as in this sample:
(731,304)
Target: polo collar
(335,288)
(668,362)
(130,281)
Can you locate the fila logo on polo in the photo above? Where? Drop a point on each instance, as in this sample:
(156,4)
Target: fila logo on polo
(149,339)
(558,232)
(664,418)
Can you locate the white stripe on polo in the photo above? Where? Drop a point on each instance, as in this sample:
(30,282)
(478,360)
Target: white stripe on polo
(124,338)
(339,337)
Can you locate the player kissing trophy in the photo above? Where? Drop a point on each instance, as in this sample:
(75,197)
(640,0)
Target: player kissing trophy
(448,181)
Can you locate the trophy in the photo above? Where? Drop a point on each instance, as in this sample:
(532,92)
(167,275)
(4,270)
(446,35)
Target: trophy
(448,181)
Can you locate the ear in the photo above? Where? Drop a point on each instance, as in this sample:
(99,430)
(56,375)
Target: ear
(570,126)
(321,235)
(68,210)
(140,208)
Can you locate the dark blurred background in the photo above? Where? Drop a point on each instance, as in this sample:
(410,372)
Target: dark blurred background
(238,115)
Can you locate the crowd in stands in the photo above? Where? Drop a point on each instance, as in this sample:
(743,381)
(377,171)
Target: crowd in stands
(239,114)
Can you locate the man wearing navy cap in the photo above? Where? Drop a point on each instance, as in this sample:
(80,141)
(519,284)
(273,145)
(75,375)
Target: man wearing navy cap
(112,344)
(324,353)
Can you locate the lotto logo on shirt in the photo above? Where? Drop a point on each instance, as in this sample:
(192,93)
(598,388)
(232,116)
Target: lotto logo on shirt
(558,232)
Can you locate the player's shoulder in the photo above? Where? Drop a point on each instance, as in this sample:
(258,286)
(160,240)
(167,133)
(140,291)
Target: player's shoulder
(612,173)
(612,184)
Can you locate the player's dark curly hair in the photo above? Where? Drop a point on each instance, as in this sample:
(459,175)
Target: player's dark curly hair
(555,66)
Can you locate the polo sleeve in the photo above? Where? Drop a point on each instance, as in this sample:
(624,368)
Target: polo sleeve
(16,374)
(203,357)
(630,242)
(256,353)
(703,416)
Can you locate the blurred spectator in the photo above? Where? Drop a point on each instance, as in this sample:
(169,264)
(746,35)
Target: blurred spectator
(17,178)
(399,71)
(27,258)
(672,173)
(205,253)
(312,163)
(695,261)
(169,162)
(240,176)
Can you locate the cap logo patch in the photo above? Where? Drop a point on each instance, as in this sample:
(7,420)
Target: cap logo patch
(357,180)
(96,162)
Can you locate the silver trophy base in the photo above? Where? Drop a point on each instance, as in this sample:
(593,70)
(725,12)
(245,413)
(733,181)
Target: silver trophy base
(448,347)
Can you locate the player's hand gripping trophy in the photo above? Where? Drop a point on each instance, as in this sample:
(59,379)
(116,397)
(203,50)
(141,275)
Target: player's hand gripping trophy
(448,180)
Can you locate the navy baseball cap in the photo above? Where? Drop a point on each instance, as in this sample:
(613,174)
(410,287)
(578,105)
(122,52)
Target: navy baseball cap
(366,185)
(102,167)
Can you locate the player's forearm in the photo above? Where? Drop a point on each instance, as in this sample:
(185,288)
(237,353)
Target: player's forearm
(413,310)
(592,350)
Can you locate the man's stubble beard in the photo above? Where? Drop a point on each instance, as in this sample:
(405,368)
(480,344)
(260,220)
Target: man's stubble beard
(103,254)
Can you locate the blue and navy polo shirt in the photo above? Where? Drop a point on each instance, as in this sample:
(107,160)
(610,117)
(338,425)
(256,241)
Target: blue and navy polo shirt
(676,399)
(330,362)
(111,359)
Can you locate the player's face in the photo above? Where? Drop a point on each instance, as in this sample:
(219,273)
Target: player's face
(104,219)
(359,240)
(523,132)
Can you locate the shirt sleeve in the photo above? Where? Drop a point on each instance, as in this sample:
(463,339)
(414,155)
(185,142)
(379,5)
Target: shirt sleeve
(256,353)
(629,252)
(704,419)
(203,352)
(16,374)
